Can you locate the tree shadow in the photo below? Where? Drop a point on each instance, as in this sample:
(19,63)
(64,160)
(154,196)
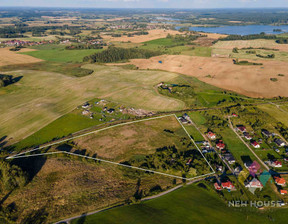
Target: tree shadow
(82,219)
(2,142)
(30,165)
(65,148)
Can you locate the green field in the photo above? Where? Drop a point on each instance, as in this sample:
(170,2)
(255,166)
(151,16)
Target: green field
(272,110)
(190,204)
(41,97)
(57,53)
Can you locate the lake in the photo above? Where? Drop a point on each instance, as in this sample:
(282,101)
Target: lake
(241,30)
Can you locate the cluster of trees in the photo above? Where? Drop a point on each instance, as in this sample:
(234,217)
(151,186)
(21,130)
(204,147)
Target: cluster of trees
(282,41)
(19,30)
(6,80)
(85,46)
(138,33)
(237,62)
(178,38)
(11,177)
(169,158)
(114,54)
(266,56)
(249,37)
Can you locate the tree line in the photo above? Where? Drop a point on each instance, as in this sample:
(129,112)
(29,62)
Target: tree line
(114,54)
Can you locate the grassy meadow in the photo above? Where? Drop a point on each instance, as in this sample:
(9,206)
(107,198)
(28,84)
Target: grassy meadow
(61,187)
(190,204)
(41,97)
(58,53)
(273,111)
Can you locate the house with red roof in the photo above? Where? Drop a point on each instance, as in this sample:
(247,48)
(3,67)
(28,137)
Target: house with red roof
(228,185)
(234,115)
(276,164)
(217,187)
(255,144)
(220,145)
(211,135)
(247,136)
(241,128)
(283,192)
(280,181)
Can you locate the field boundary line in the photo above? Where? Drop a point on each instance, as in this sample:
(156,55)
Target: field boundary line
(22,155)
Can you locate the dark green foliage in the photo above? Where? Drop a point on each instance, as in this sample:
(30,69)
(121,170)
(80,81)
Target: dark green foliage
(250,37)
(84,46)
(273,79)
(11,177)
(266,56)
(6,80)
(282,41)
(113,54)
(237,62)
(235,50)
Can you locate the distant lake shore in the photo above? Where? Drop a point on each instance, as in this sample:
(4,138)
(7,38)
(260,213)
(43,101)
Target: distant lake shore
(241,30)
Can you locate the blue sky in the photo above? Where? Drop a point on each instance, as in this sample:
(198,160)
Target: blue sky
(149,3)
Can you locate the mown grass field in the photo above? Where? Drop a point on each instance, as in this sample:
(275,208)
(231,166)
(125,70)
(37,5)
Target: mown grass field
(41,97)
(58,53)
(190,204)
(278,114)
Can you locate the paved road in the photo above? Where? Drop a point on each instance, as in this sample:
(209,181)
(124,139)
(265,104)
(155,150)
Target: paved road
(231,126)
(143,199)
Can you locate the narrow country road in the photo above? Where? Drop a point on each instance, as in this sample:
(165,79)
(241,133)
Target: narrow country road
(143,199)
(231,126)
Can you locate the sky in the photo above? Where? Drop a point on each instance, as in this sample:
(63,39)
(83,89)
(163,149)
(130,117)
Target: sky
(149,3)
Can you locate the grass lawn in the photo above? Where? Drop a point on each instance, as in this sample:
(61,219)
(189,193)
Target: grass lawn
(57,53)
(187,205)
(198,51)
(41,97)
(196,135)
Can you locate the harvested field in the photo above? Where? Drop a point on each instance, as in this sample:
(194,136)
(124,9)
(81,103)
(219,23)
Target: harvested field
(65,187)
(153,34)
(12,58)
(252,81)
(250,43)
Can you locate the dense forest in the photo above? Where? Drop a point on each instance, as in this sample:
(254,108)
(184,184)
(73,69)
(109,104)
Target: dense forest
(85,46)
(114,54)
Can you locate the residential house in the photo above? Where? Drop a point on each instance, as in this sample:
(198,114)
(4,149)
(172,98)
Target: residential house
(255,144)
(241,128)
(247,136)
(229,158)
(276,164)
(220,145)
(228,185)
(85,105)
(217,186)
(254,183)
(211,135)
(280,181)
(234,115)
(110,111)
(266,133)
(279,142)
(283,192)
